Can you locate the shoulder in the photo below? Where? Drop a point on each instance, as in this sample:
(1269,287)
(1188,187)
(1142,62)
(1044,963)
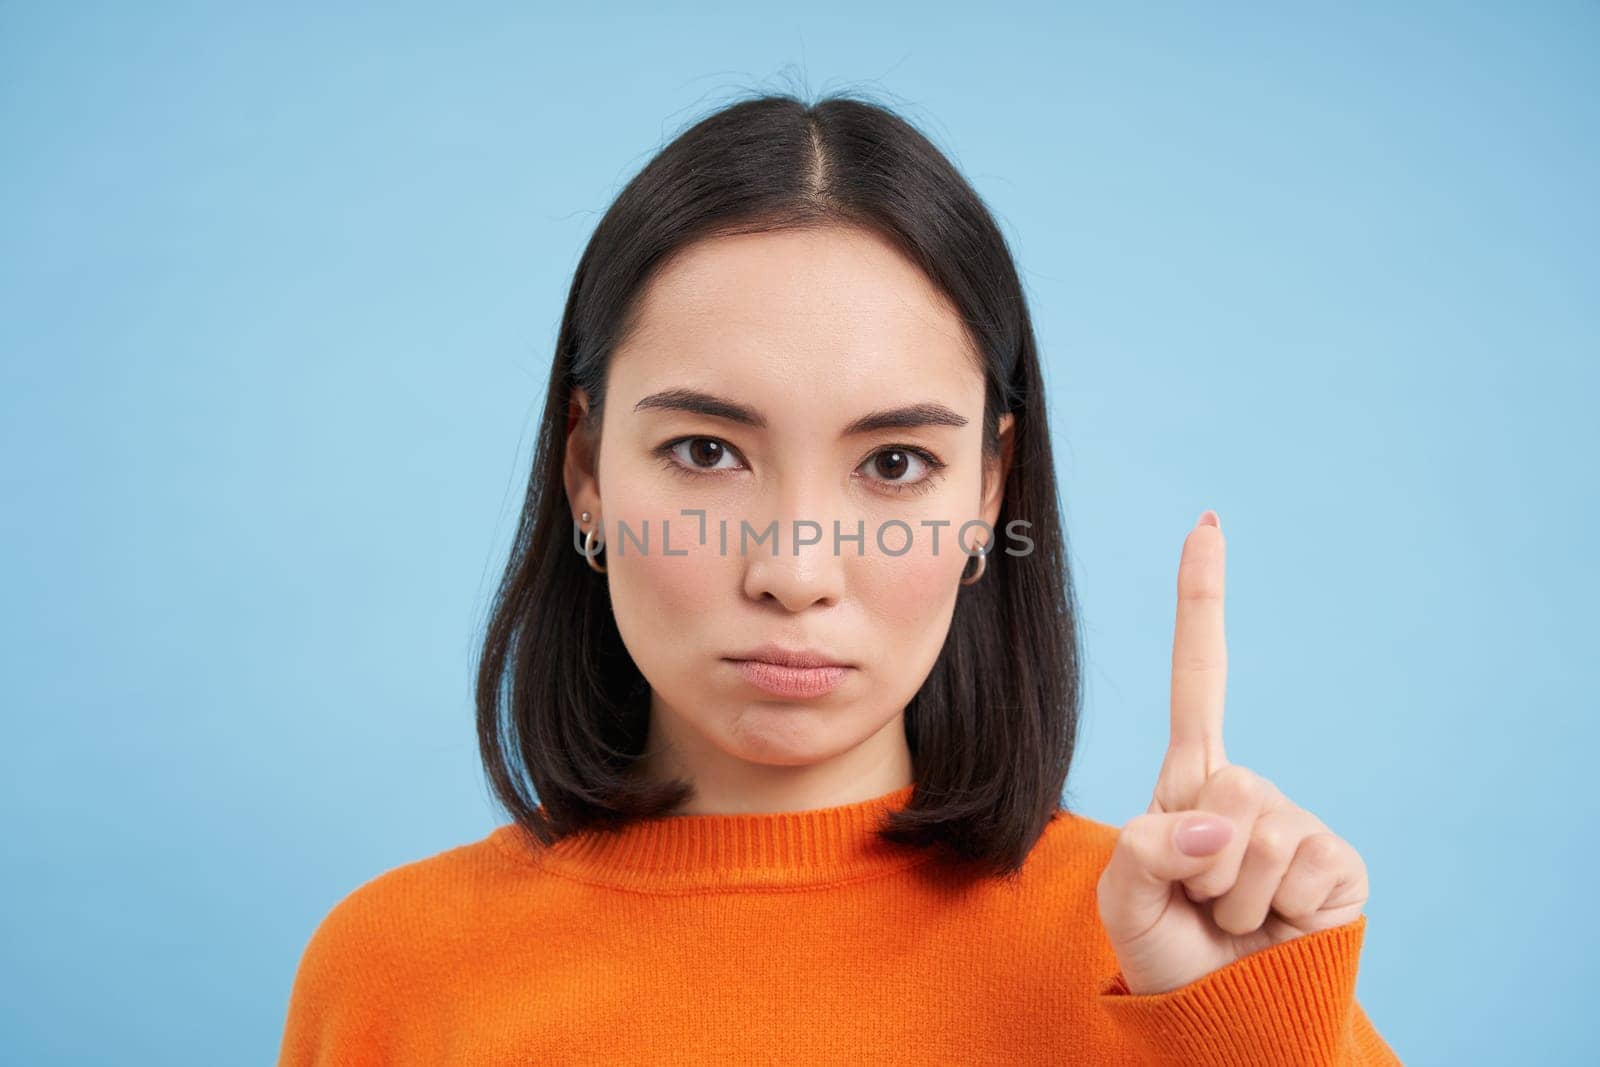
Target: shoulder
(1062,870)
(387,947)
(429,902)
(1060,878)
(1047,914)
(1075,843)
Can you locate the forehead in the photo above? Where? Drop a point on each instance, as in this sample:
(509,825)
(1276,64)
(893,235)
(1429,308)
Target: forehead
(830,309)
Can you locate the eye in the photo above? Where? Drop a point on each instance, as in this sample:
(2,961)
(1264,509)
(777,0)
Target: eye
(896,469)
(700,454)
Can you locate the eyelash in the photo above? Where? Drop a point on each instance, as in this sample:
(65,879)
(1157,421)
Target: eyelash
(934,463)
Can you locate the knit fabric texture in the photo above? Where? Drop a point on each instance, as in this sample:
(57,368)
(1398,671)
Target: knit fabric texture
(784,938)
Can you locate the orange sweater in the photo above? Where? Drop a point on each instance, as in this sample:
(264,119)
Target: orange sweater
(792,937)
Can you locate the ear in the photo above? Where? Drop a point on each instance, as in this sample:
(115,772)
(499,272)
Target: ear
(579,469)
(997,471)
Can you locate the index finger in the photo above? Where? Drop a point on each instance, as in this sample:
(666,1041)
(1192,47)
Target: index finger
(1199,646)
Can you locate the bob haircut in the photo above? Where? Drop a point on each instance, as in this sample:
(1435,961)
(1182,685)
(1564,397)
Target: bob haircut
(562,710)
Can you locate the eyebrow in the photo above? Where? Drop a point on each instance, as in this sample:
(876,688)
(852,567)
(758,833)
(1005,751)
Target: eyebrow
(910,416)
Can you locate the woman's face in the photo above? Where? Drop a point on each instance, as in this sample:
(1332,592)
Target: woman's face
(735,397)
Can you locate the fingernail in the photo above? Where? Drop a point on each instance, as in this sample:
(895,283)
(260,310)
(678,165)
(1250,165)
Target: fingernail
(1203,834)
(1209,517)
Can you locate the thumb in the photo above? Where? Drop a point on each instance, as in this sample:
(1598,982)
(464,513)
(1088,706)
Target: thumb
(1153,851)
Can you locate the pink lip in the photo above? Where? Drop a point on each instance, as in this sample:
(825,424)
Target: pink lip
(791,681)
(789,657)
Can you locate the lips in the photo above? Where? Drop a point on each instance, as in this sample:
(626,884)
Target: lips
(790,657)
(791,672)
(798,682)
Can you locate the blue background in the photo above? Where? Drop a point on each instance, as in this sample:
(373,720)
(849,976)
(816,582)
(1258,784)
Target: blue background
(278,294)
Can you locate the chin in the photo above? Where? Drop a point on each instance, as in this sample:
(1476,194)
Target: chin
(784,735)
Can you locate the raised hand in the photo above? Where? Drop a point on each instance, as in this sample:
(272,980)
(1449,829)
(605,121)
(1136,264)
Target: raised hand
(1222,864)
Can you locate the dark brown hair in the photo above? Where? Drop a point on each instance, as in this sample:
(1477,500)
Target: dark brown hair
(562,710)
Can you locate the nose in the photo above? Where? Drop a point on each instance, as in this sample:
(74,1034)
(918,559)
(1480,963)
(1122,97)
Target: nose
(805,570)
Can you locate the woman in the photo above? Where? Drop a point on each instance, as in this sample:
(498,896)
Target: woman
(782,735)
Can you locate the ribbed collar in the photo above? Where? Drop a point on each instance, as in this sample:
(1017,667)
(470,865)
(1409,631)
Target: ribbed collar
(690,853)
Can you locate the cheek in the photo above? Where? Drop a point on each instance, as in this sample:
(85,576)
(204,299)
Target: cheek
(909,600)
(663,604)
(919,586)
(672,590)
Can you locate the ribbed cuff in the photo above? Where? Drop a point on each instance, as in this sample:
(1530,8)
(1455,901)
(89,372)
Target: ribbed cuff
(1288,1004)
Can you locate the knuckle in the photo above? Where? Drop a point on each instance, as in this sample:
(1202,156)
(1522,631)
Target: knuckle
(1275,845)
(1295,907)
(1140,825)
(1323,851)
(1197,587)
(1138,833)
(1195,663)
(1238,785)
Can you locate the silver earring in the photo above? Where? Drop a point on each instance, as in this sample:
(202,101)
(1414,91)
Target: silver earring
(983,563)
(589,549)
